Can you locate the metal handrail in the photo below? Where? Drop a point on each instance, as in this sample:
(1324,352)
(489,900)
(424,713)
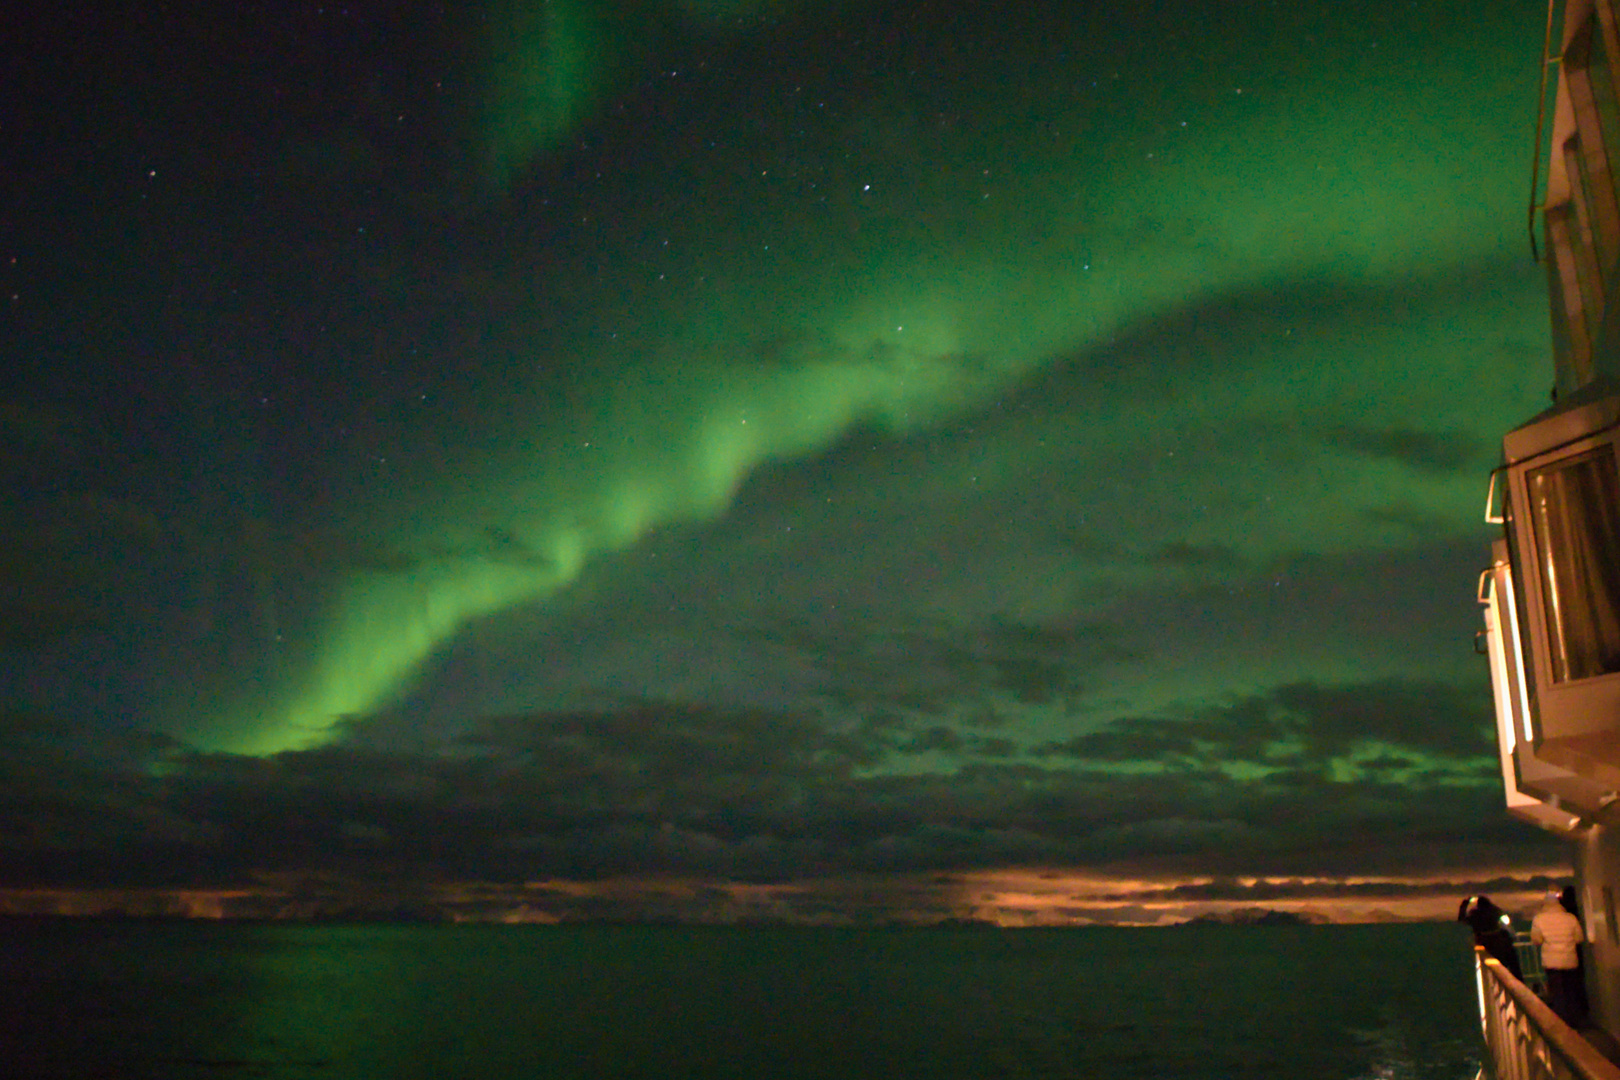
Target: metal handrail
(1526,1039)
(1500,517)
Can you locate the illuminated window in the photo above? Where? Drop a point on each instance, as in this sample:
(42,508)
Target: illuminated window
(1575,514)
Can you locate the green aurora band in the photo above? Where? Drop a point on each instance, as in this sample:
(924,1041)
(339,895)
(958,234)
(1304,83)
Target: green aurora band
(553,62)
(550,65)
(1320,183)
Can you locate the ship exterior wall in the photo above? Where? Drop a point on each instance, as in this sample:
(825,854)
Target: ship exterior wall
(1597,875)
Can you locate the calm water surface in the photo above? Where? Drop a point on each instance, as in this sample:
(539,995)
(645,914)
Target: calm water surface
(188,1000)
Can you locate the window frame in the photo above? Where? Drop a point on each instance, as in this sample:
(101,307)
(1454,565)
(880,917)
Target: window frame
(1576,722)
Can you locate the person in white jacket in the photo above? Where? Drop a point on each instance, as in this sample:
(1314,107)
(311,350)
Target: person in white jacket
(1559,935)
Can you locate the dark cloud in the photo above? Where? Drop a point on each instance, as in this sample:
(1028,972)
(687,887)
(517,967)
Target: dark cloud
(1435,717)
(1251,891)
(935,666)
(1439,452)
(657,788)
(950,740)
(1306,725)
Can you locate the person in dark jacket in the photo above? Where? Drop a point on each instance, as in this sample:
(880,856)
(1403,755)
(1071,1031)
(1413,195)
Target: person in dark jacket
(1493,931)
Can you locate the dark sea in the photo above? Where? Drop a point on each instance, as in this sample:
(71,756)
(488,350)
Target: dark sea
(177,1000)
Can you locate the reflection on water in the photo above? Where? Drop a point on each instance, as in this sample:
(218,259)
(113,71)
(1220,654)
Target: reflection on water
(187,1000)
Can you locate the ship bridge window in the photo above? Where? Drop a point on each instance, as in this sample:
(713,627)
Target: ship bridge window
(1563,542)
(1575,514)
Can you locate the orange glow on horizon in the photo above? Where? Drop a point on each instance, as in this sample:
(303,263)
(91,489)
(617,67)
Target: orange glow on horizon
(1010,897)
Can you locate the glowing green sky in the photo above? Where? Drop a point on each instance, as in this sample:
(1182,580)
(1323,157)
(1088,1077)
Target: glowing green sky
(1305,180)
(962,385)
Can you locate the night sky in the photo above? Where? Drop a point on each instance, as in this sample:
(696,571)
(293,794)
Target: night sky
(754,442)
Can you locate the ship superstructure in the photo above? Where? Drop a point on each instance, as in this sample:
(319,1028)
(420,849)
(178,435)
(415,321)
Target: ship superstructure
(1551,598)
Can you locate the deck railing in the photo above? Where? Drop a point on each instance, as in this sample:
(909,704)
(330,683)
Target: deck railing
(1526,1038)
(1531,973)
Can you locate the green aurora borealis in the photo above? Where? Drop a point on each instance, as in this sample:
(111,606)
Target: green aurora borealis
(970,386)
(901,335)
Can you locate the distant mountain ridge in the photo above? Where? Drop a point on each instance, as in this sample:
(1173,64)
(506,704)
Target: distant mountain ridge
(1259,916)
